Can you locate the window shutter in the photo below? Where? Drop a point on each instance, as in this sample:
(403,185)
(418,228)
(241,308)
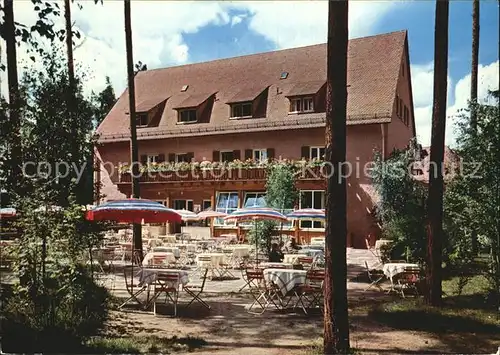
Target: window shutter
(236,154)
(171,157)
(248,154)
(305,152)
(161,158)
(190,156)
(144,159)
(270,153)
(216,155)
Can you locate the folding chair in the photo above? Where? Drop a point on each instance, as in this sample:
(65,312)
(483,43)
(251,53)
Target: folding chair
(311,291)
(257,285)
(195,291)
(306,262)
(134,288)
(409,279)
(375,277)
(168,283)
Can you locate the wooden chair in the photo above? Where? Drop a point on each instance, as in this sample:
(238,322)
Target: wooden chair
(133,286)
(196,290)
(257,285)
(408,280)
(375,277)
(168,283)
(310,294)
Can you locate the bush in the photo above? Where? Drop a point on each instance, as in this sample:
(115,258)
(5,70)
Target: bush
(264,235)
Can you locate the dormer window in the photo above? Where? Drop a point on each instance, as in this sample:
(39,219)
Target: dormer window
(142,120)
(301,104)
(187,116)
(241,110)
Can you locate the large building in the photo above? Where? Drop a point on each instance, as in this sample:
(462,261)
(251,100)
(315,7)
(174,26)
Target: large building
(257,107)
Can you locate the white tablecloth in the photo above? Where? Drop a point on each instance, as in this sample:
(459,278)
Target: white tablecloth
(190,248)
(216,259)
(148,259)
(291,258)
(285,279)
(168,238)
(318,240)
(270,265)
(392,269)
(239,251)
(174,250)
(147,276)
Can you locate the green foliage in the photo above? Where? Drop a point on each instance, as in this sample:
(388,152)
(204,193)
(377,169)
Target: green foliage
(402,205)
(473,198)
(104,102)
(263,231)
(56,304)
(281,192)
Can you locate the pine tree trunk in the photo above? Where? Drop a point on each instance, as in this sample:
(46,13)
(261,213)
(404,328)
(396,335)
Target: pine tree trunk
(15,175)
(134,153)
(336,319)
(435,198)
(473,87)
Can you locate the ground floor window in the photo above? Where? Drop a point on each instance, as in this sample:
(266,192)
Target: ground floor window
(183,205)
(312,199)
(227,202)
(255,199)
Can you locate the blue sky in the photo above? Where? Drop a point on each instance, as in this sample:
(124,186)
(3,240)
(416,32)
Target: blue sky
(169,33)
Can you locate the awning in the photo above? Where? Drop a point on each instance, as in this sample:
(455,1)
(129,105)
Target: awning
(247,94)
(193,101)
(148,104)
(305,88)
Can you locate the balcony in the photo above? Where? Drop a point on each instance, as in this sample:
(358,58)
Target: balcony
(217,174)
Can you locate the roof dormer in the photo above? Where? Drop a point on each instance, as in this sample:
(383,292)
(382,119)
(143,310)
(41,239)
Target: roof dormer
(306,97)
(195,108)
(250,102)
(149,111)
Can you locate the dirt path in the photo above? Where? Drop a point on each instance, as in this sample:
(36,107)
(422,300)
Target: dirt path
(229,329)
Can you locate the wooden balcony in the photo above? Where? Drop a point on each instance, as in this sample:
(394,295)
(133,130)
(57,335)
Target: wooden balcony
(217,175)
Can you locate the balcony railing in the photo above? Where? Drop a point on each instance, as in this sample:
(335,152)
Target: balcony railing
(207,175)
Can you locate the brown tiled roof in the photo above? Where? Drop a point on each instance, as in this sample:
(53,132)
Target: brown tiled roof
(306,88)
(373,69)
(193,101)
(149,103)
(451,164)
(247,94)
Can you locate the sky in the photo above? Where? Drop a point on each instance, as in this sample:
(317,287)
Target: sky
(174,33)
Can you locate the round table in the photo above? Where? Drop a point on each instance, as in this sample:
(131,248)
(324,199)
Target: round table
(285,279)
(167,257)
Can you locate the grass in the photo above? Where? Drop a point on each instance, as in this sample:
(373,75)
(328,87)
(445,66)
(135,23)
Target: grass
(142,345)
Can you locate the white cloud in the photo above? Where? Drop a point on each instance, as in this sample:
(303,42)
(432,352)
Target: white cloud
(298,23)
(422,85)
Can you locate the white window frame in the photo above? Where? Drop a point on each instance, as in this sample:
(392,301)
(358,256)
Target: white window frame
(187,203)
(313,223)
(225,209)
(177,155)
(153,158)
(260,153)
(295,102)
(256,194)
(317,149)
(241,104)
(179,118)
(225,151)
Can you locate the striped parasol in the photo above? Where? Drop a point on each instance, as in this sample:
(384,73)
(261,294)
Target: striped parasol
(256,214)
(133,211)
(7,212)
(307,213)
(187,215)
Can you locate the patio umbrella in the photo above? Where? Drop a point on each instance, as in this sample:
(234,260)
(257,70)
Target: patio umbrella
(133,211)
(7,212)
(187,215)
(211,215)
(307,214)
(256,214)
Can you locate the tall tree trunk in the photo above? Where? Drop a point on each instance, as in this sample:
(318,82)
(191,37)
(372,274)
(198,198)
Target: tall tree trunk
(69,43)
(473,86)
(435,198)
(134,153)
(336,318)
(14,99)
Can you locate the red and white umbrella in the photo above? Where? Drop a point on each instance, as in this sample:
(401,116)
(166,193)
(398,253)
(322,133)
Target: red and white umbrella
(210,214)
(7,212)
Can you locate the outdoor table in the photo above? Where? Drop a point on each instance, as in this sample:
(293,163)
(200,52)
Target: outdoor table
(190,248)
(239,251)
(312,252)
(380,242)
(216,260)
(149,275)
(168,257)
(392,269)
(318,240)
(271,265)
(174,250)
(152,242)
(292,258)
(285,279)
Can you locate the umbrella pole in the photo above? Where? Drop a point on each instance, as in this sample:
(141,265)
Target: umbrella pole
(256,244)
